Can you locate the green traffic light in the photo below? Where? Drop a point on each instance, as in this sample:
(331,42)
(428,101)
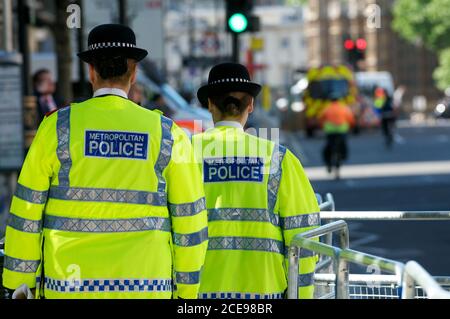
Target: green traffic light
(238,22)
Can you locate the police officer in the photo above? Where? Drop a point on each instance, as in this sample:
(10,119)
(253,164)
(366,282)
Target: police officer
(257,195)
(109,203)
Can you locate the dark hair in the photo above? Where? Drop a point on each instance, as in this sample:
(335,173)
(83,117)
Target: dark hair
(156,97)
(230,105)
(37,77)
(110,67)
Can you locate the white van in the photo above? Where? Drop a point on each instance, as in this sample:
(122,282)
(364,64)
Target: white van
(367,81)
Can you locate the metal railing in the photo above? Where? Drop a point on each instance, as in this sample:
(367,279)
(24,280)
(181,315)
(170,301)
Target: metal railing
(340,257)
(327,212)
(298,244)
(404,278)
(328,205)
(414,273)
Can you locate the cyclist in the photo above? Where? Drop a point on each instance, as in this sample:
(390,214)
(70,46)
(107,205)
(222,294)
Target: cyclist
(336,120)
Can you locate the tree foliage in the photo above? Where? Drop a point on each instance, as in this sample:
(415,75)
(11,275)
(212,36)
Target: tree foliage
(442,74)
(427,22)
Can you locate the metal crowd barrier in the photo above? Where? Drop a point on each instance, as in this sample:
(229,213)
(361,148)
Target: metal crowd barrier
(358,283)
(414,273)
(402,284)
(340,256)
(327,213)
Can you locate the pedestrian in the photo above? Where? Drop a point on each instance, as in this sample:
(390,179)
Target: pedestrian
(336,121)
(257,194)
(44,90)
(385,105)
(109,202)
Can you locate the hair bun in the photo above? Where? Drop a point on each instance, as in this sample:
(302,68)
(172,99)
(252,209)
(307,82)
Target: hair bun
(232,102)
(230,105)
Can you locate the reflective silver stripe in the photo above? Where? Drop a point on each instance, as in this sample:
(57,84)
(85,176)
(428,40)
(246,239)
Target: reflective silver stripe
(165,152)
(20,265)
(63,150)
(187,278)
(239,295)
(106,225)
(186,240)
(275,175)
(108,285)
(190,209)
(108,195)
(306,280)
(30,195)
(246,243)
(300,221)
(243,214)
(24,225)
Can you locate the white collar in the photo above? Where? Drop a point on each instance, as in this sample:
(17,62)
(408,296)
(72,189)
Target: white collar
(111,91)
(229,124)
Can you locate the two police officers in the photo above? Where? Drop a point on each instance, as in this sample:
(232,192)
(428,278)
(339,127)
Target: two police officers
(109,202)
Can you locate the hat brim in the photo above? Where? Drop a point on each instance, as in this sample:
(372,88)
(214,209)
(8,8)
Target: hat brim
(130,53)
(209,90)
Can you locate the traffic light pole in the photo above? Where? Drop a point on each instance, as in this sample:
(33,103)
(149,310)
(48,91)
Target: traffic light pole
(123,12)
(24,49)
(235,56)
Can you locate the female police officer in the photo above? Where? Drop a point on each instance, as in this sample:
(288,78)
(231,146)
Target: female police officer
(258,197)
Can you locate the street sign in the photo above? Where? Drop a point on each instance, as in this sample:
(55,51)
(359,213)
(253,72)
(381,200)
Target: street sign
(11,120)
(266,98)
(210,43)
(257,44)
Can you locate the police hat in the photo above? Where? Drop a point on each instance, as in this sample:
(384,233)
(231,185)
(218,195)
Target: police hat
(112,39)
(227,77)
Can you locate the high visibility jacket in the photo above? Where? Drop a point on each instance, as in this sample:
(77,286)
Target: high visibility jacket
(109,204)
(337,119)
(258,198)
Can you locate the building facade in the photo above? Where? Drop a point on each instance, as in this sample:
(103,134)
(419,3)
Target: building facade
(197,33)
(330,22)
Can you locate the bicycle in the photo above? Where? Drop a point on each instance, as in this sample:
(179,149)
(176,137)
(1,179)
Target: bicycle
(335,153)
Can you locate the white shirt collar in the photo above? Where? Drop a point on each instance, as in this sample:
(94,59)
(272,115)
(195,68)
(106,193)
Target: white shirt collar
(229,124)
(111,91)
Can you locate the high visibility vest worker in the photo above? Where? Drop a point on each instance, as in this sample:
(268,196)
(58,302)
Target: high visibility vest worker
(258,198)
(337,118)
(109,204)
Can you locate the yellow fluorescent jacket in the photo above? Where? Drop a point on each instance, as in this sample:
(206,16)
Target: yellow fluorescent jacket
(109,204)
(258,198)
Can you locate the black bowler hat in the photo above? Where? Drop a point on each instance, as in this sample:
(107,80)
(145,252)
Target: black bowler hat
(227,77)
(112,39)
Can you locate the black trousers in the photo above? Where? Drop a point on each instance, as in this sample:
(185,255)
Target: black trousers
(335,143)
(387,126)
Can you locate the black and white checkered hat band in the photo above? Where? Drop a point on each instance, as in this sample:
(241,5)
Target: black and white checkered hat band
(105,45)
(230,80)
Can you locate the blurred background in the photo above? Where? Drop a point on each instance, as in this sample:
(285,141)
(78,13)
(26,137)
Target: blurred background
(370,53)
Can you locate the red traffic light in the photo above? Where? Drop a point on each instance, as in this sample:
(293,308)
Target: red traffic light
(361,44)
(349,44)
